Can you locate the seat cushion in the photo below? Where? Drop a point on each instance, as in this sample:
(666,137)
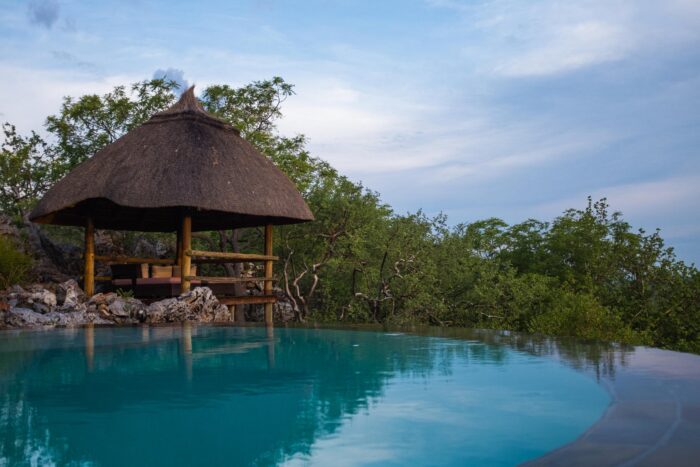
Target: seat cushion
(123,282)
(161,271)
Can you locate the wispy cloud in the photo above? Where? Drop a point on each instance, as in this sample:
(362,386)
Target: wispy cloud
(569,48)
(43,90)
(646,197)
(546,37)
(69,59)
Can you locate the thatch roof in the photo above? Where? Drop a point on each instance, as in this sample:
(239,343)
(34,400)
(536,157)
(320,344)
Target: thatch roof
(182,160)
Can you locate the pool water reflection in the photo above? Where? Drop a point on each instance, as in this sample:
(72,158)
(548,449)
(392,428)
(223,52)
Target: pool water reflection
(255,396)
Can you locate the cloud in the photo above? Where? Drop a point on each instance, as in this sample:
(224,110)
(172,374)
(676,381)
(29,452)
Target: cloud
(42,91)
(570,48)
(512,38)
(669,203)
(70,59)
(652,196)
(173,74)
(43,12)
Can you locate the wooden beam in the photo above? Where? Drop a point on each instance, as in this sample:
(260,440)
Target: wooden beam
(199,260)
(133,260)
(233,257)
(185,266)
(89,275)
(229,280)
(248,299)
(267,288)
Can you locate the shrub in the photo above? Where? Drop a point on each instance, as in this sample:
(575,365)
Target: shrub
(581,315)
(14,265)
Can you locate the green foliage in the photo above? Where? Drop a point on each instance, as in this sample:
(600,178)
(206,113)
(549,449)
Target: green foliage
(27,170)
(586,273)
(582,315)
(14,265)
(87,124)
(121,293)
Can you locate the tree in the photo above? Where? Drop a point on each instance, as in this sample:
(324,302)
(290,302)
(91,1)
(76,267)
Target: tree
(87,124)
(27,169)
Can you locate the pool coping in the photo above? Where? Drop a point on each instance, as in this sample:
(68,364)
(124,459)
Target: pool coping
(653,418)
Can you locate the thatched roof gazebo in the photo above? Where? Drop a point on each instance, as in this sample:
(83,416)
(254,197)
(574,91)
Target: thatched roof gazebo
(183,170)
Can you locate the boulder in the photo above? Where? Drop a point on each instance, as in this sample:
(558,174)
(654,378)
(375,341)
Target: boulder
(25,317)
(102,299)
(125,310)
(200,305)
(69,294)
(283,311)
(69,319)
(44,298)
(36,298)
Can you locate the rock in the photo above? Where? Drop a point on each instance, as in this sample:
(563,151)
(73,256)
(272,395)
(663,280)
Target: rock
(200,305)
(36,298)
(119,308)
(69,319)
(45,297)
(102,299)
(158,312)
(94,319)
(24,317)
(55,262)
(39,306)
(69,294)
(127,310)
(150,248)
(103,311)
(283,312)
(7,227)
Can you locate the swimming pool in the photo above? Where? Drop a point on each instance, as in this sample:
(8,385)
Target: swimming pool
(254,396)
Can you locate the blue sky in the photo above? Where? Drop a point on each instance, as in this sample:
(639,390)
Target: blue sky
(512,109)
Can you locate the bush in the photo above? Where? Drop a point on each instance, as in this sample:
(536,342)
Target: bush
(14,265)
(581,315)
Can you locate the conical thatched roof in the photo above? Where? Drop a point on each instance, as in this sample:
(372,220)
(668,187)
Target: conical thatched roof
(182,160)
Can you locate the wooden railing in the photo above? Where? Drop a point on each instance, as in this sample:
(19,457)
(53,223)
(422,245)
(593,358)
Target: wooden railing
(204,256)
(133,260)
(229,280)
(188,256)
(185,256)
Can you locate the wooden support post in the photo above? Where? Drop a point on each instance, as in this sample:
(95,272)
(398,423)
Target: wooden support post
(186,259)
(268,273)
(89,270)
(178,247)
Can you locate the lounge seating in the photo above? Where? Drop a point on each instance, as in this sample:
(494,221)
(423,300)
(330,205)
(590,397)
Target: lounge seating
(161,283)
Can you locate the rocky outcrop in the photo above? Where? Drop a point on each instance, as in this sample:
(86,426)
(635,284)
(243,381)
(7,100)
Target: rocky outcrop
(282,311)
(198,305)
(67,305)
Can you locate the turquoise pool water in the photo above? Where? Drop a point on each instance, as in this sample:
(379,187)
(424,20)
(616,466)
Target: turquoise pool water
(181,396)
